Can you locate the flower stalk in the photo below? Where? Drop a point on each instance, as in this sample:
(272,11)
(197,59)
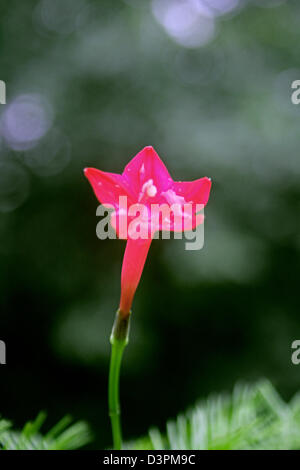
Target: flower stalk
(118,340)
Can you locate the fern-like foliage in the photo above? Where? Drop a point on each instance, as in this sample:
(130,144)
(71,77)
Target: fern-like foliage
(63,436)
(252,417)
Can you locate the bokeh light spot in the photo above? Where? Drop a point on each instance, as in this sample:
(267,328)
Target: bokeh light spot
(26,120)
(51,156)
(185,22)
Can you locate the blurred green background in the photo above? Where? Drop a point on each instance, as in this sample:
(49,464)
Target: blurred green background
(90,83)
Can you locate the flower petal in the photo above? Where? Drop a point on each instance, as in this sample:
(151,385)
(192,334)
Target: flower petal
(145,166)
(193,191)
(108,187)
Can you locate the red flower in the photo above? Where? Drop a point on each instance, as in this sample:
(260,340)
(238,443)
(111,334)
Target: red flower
(145,183)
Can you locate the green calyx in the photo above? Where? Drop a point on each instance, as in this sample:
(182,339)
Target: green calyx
(120,330)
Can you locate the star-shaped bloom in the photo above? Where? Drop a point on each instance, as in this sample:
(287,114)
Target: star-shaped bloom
(146,187)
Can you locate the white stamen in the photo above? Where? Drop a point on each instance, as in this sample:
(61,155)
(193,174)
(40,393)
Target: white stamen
(173,198)
(151,191)
(149,188)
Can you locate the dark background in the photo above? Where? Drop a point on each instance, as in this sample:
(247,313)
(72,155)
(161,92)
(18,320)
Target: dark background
(90,83)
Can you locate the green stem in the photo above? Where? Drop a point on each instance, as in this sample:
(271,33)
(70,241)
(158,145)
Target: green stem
(118,339)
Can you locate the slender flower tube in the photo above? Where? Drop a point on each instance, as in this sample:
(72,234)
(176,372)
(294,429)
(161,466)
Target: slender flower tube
(145,187)
(133,264)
